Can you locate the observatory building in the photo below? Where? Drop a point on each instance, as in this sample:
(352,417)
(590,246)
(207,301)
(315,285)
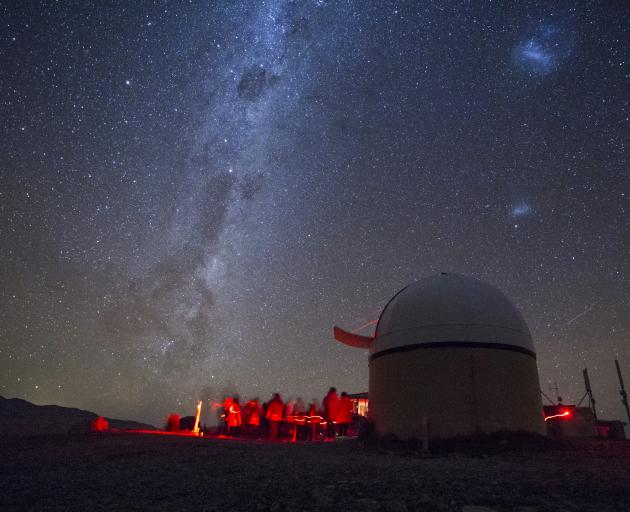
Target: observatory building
(451,356)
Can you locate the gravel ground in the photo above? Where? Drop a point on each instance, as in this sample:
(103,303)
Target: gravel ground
(152,472)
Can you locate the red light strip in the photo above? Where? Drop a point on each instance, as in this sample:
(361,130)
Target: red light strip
(565,413)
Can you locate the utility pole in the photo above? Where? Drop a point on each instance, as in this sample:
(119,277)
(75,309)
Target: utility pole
(589,392)
(622,392)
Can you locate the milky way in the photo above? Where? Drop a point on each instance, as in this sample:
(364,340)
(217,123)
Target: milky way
(192,195)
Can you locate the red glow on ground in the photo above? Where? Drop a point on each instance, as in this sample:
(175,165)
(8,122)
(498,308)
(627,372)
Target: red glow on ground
(184,433)
(188,433)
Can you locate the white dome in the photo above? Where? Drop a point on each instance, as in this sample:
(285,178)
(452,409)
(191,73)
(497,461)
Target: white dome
(451,309)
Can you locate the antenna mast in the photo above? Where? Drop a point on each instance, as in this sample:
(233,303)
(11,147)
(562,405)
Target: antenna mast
(555,388)
(589,393)
(622,392)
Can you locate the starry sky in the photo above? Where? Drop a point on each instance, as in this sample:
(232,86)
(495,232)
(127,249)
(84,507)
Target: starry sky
(193,193)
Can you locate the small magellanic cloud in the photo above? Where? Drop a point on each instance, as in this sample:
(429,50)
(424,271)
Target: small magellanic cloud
(521,210)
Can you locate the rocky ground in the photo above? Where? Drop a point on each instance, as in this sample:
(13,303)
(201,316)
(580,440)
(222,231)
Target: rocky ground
(153,472)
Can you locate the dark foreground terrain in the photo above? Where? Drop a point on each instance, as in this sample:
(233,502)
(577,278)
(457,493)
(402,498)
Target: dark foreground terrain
(153,472)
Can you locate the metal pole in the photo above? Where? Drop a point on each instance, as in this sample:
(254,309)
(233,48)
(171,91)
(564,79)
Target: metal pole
(622,392)
(425,433)
(589,392)
(550,400)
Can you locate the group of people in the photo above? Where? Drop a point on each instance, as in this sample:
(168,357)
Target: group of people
(294,420)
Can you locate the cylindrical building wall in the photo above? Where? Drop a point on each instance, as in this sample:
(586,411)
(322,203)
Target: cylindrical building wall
(460,391)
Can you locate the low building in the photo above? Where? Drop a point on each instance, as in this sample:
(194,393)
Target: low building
(571,421)
(611,429)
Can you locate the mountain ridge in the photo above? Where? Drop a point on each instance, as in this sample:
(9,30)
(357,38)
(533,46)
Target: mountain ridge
(21,418)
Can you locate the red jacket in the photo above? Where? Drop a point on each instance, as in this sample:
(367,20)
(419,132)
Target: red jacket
(345,410)
(253,415)
(275,410)
(234,415)
(331,406)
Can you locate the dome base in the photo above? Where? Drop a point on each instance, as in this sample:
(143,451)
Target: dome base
(457,391)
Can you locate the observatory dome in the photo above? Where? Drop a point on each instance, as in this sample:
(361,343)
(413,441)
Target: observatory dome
(450,308)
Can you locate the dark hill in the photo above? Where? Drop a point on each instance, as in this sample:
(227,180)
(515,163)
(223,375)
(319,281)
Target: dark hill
(19,418)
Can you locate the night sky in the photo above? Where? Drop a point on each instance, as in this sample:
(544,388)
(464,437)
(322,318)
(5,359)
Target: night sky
(193,193)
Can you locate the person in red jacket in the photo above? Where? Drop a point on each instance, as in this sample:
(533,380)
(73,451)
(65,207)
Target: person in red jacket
(344,418)
(252,418)
(234,418)
(331,411)
(225,412)
(275,414)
